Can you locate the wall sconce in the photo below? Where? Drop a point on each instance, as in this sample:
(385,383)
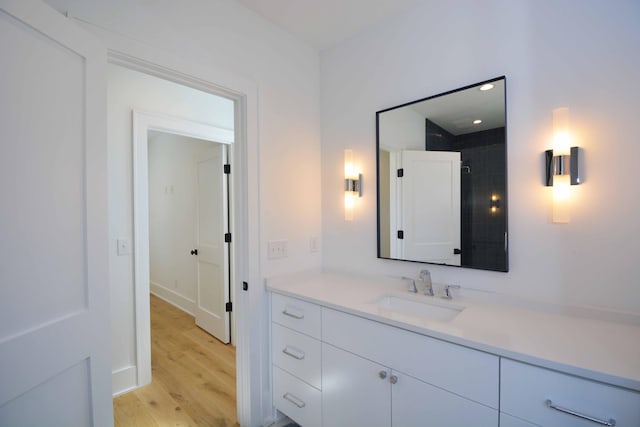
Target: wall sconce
(494,204)
(562,166)
(352,185)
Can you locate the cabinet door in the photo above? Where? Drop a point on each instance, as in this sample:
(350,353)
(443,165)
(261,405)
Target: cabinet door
(355,391)
(416,403)
(509,421)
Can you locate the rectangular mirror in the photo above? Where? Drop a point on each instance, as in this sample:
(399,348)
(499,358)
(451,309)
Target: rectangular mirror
(442,178)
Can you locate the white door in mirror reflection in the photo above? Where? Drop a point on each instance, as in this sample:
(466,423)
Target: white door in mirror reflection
(426,206)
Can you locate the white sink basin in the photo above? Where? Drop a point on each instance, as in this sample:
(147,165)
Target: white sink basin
(419,308)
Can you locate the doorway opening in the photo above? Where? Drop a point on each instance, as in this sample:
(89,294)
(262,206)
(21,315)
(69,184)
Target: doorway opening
(244,268)
(213,221)
(189,256)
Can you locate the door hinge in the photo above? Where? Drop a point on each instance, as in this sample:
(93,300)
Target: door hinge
(228,307)
(400,172)
(400,234)
(227,169)
(227,237)
(245,286)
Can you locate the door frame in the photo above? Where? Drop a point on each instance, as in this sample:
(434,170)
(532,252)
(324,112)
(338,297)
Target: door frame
(143,122)
(245,201)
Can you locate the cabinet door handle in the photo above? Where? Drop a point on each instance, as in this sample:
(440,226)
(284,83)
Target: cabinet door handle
(382,374)
(393,379)
(293,352)
(293,399)
(552,405)
(295,315)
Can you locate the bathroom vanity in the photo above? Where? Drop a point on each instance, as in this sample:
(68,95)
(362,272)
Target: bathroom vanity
(353,351)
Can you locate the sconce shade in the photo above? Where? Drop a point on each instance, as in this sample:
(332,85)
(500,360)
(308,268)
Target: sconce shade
(561,199)
(562,166)
(352,185)
(349,200)
(494,204)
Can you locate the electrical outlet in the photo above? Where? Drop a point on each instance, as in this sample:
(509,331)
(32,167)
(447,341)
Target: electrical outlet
(277,249)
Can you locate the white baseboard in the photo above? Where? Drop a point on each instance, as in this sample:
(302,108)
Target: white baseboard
(124,380)
(173,298)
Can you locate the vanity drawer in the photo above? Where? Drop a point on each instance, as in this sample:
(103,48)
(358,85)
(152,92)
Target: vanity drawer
(296,353)
(468,373)
(296,314)
(296,399)
(526,390)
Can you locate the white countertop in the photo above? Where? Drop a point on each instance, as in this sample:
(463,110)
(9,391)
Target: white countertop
(589,345)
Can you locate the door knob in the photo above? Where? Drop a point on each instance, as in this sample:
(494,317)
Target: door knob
(194,252)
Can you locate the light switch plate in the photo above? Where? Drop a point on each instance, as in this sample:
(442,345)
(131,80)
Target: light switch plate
(124,247)
(277,249)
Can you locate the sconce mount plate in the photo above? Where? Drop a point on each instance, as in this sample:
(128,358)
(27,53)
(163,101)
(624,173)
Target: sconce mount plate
(354,185)
(558,165)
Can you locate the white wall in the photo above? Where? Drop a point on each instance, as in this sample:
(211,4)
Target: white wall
(287,74)
(172,216)
(581,54)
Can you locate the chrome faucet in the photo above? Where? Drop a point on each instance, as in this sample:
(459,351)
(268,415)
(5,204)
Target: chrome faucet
(425,277)
(412,284)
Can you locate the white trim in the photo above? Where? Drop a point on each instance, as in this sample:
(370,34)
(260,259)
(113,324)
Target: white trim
(189,128)
(124,380)
(143,122)
(174,298)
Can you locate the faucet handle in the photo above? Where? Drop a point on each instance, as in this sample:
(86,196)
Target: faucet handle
(447,291)
(412,286)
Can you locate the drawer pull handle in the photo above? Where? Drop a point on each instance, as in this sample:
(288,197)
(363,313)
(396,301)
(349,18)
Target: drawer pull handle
(291,398)
(552,405)
(295,315)
(293,352)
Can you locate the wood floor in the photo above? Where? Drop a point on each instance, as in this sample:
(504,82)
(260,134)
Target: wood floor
(193,377)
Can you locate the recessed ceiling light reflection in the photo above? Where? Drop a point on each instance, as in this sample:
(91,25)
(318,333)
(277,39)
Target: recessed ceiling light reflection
(477,121)
(486,86)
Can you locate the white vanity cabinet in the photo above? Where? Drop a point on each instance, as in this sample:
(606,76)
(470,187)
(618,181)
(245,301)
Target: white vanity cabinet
(379,375)
(295,354)
(549,398)
(335,369)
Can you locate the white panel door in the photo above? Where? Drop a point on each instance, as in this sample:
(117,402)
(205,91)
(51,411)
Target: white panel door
(430,206)
(213,254)
(54,295)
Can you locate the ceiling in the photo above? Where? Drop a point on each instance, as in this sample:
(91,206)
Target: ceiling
(325,23)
